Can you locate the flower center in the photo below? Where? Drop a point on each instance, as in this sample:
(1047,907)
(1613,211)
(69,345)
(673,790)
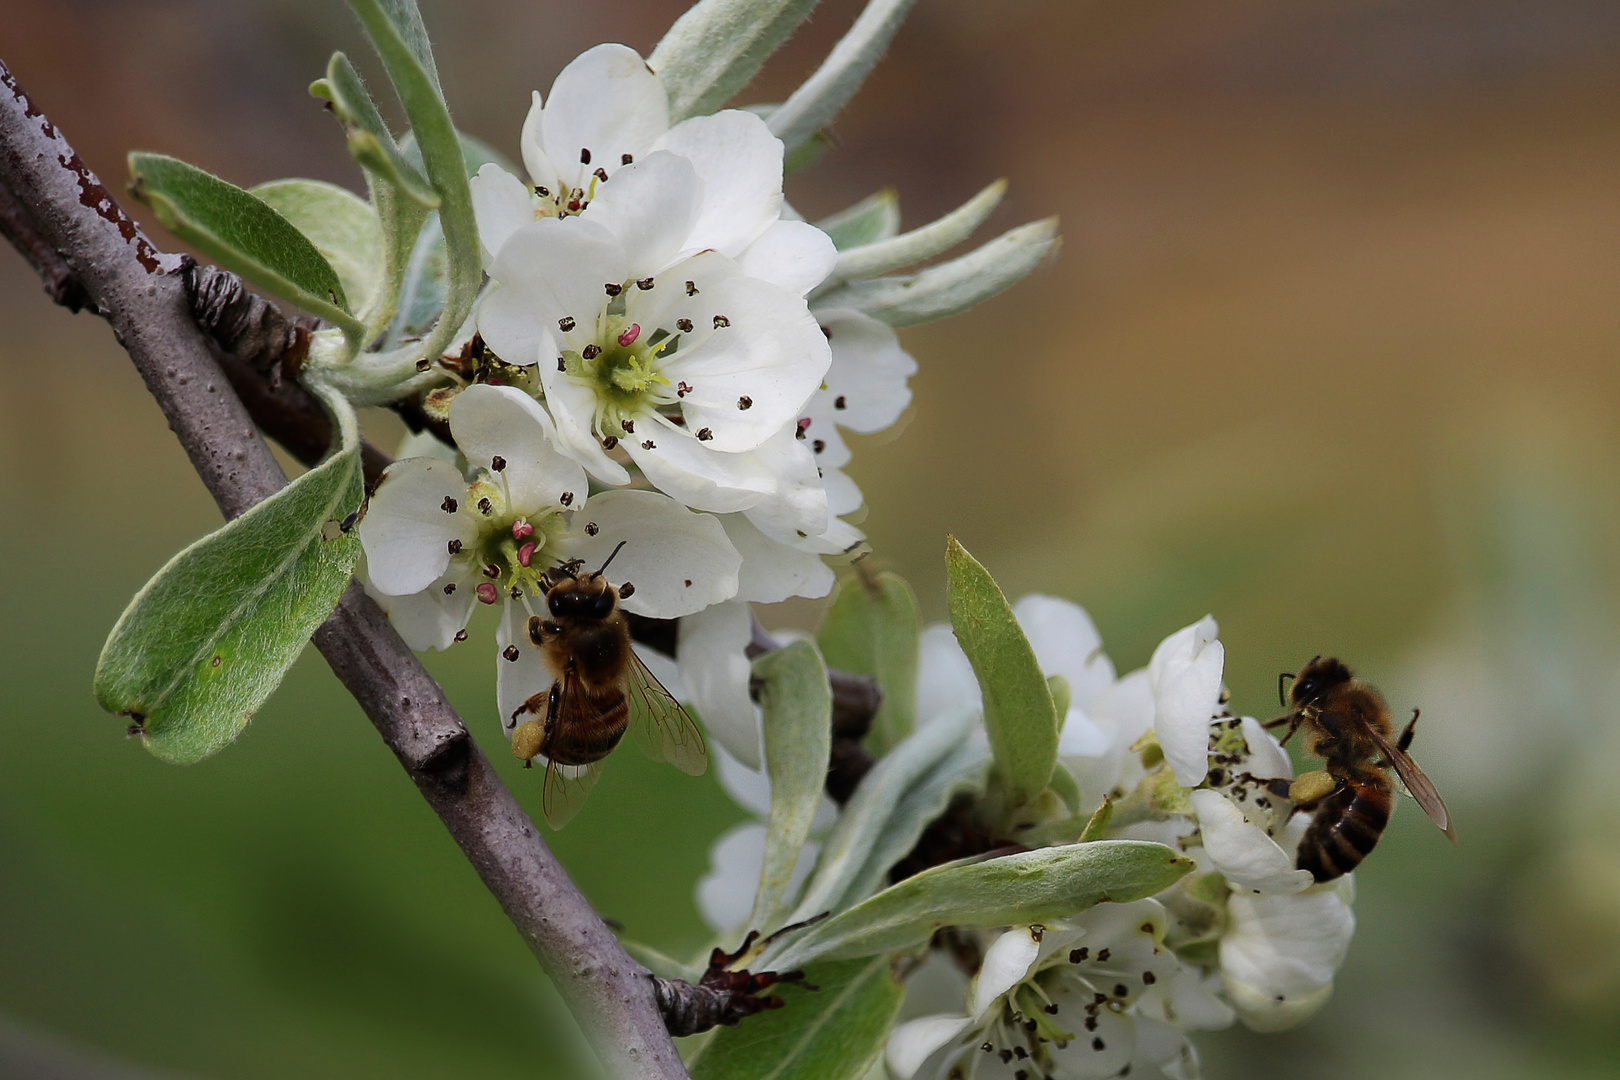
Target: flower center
(624,371)
(510,551)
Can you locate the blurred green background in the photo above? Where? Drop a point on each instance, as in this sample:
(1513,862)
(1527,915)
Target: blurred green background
(1329,352)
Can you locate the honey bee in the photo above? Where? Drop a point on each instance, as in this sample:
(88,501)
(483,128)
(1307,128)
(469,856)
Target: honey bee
(600,690)
(1348,726)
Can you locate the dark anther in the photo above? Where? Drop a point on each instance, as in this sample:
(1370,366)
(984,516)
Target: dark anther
(644,283)
(1102,955)
(704,434)
(448,506)
(516,593)
(612,289)
(423,364)
(691,288)
(454,547)
(1121,990)
(684,325)
(610,442)
(840,403)
(818,445)
(625,159)
(1051,1010)
(543,192)
(449,586)
(591,352)
(629,426)
(511,653)
(1098,1044)
(584,155)
(1006,1056)
(626,591)
(486,507)
(566,323)
(591,528)
(1149,978)
(1077,955)
(566,498)
(461,635)
(720,321)
(497,463)
(562,365)
(745,402)
(492,571)
(600,173)
(649,445)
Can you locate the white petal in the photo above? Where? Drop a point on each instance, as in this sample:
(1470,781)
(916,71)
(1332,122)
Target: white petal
(429,619)
(915,1041)
(573,406)
(1189,1000)
(405,533)
(650,207)
(1126,706)
(1082,738)
(427,444)
(542,170)
(550,270)
(748,788)
(725,895)
(517,681)
(869,371)
(1280,953)
(772,572)
(606,101)
(1186,674)
(1066,643)
(502,420)
(502,205)
(1267,758)
(792,254)
(715,669)
(1006,962)
(945,679)
(1242,851)
(773,356)
(702,478)
(843,496)
(1099,1052)
(798,507)
(678,561)
(740,164)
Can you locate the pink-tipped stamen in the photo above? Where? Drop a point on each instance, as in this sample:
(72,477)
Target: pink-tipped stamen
(526,552)
(628,338)
(522,530)
(487,592)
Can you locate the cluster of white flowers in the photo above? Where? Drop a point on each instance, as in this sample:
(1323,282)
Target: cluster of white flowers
(1245,935)
(675,390)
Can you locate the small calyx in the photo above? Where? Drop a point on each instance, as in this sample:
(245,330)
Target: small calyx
(725,995)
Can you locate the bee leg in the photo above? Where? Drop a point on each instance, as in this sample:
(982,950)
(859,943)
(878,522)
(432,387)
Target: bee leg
(1405,740)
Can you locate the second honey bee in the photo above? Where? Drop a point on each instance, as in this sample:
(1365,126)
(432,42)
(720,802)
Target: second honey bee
(601,689)
(1347,724)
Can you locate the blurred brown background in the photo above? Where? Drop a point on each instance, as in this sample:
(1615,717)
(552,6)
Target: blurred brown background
(1329,352)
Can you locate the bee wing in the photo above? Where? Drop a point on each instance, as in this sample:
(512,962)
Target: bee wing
(663,728)
(566,788)
(1420,786)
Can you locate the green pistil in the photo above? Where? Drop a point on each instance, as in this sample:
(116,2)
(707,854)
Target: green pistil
(1032,1002)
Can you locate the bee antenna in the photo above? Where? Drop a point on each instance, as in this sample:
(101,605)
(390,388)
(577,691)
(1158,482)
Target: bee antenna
(610,558)
(1281,699)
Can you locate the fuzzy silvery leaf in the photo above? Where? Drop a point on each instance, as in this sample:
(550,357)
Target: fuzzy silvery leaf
(717,47)
(1019,715)
(913,247)
(395,29)
(871,629)
(208,639)
(1028,887)
(951,287)
(400,194)
(869,816)
(242,233)
(874,218)
(797,705)
(342,226)
(836,1032)
(813,105)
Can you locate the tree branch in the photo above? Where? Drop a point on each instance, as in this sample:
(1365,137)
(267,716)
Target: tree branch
(143,294)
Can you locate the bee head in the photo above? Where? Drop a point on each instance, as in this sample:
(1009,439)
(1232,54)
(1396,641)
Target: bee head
(583,595)
(1317,678)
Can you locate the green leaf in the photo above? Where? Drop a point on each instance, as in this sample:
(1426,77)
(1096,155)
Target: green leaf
(1030,886)
(871,629)
(1019,714)
(717,47)
(797,703)
(342,226)
(874,218)
(396,31)
(894,802)
(836,1032)
(205,642)
(399,192)
(913,247)
(950,287)
(242,233)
